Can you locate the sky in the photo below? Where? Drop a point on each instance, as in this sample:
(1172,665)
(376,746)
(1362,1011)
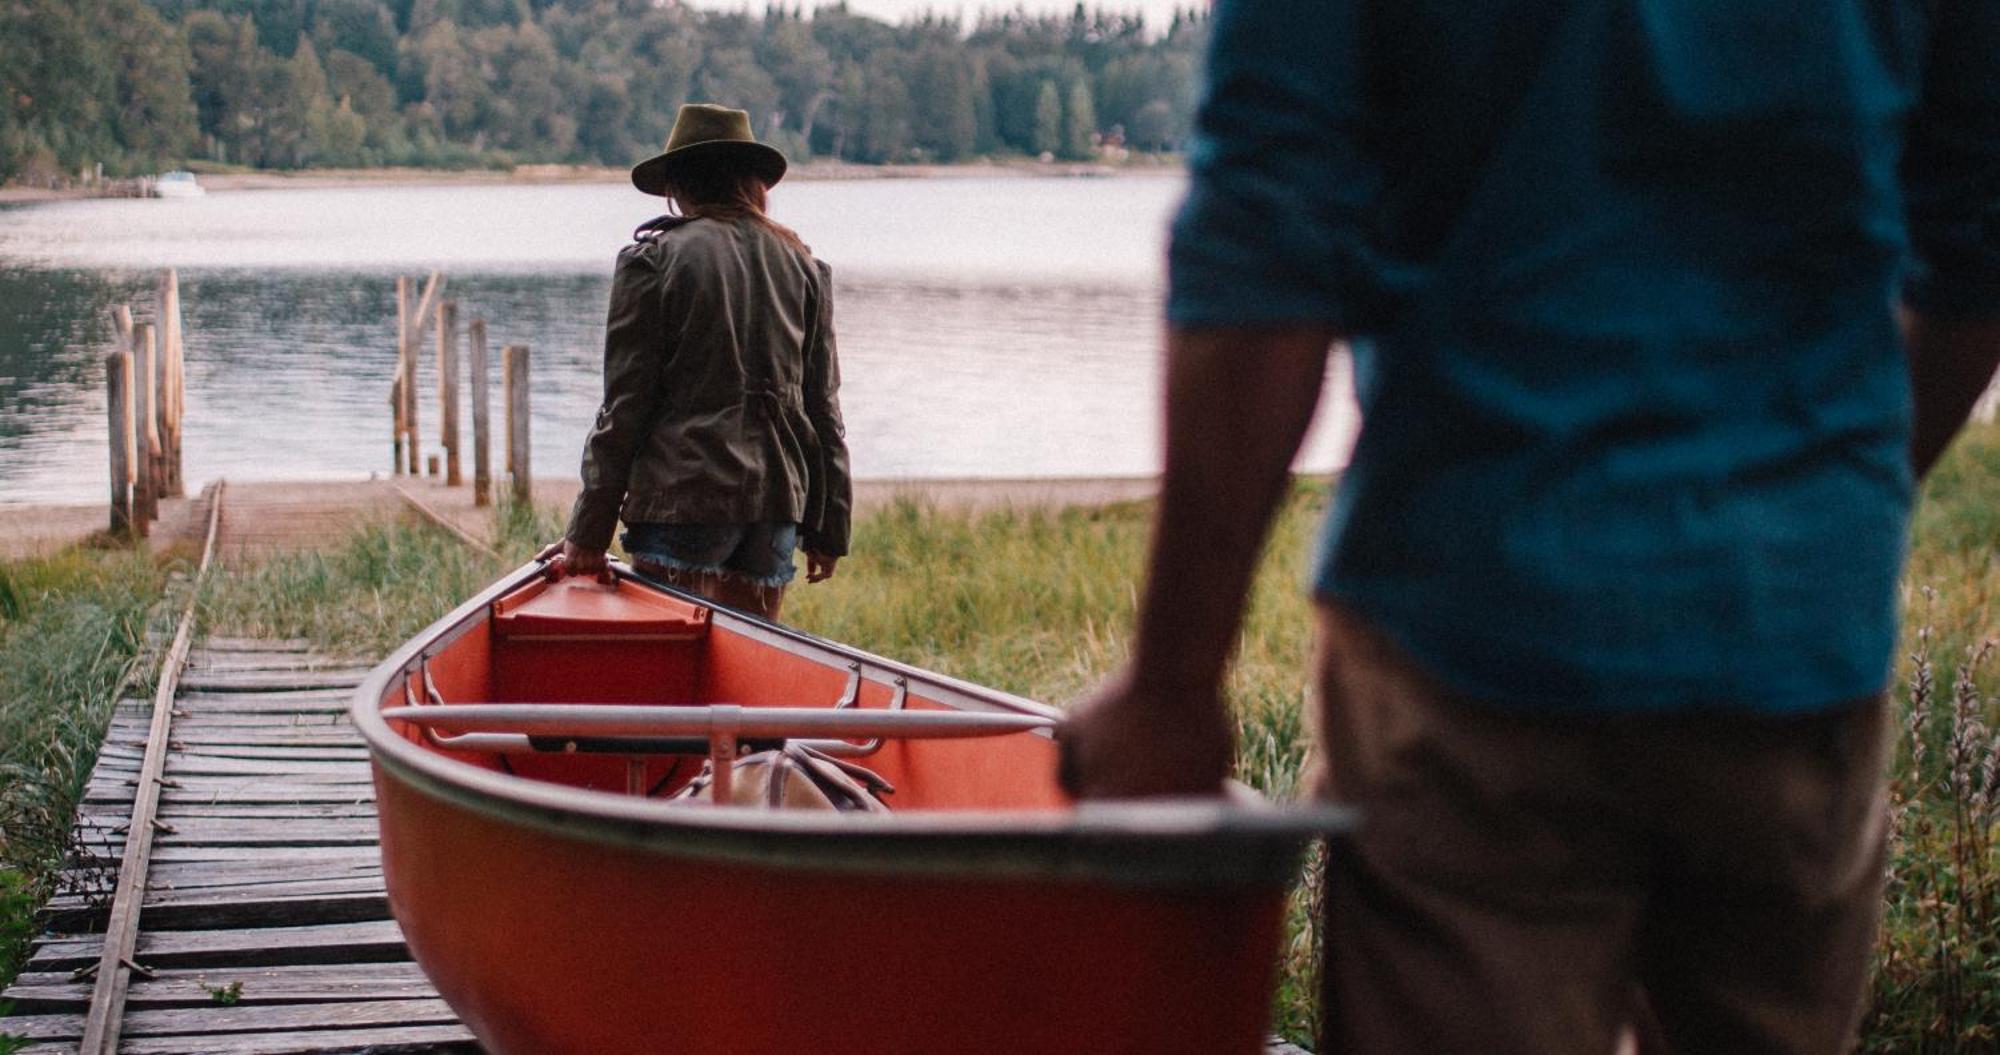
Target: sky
(1157,12)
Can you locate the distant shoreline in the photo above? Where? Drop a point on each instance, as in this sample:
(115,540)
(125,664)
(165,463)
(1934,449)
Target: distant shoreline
(550,175)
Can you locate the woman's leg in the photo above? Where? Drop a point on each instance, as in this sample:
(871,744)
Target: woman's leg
(747,595)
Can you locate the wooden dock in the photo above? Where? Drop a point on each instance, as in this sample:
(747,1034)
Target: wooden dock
(265,927)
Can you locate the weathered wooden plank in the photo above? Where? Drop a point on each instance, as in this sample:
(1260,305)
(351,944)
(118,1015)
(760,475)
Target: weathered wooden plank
(111,813)
(198,695)
(316,752)
(220,681)
(237,661)
(184,763)
(56,991)
(197,719)
(265,703)
(244,831)
(330,864)
(388,1040)
(320,903)
(255,644)
(319,858)
(197,788)
(220,736)
(332,856)
(374,941)
(255,884)
(273,1018)
(383,1040)
(225,711)
(323,793)
(239,1018)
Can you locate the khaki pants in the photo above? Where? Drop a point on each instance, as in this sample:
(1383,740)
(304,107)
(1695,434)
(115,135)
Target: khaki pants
(1537,883)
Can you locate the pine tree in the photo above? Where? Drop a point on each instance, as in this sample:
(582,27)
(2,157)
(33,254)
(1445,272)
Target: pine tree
(1079,123)
(1048,120)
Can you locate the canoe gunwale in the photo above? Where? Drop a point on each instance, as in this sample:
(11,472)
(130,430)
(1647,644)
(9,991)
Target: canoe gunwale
(1193,843)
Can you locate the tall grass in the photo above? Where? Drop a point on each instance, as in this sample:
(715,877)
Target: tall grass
(71,629)
(1936,985)
(370,591)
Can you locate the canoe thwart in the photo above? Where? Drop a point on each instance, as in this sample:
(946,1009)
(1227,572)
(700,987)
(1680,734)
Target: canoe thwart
(587,720)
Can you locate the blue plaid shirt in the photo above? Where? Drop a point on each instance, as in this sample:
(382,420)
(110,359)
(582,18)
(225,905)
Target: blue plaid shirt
(1622,279)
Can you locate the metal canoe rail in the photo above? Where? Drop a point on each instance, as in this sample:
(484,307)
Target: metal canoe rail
(102,1025)
(715,720)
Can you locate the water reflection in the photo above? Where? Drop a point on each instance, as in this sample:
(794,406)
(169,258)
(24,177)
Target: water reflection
(992,330)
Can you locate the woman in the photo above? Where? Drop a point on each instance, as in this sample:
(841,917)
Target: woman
(719,442)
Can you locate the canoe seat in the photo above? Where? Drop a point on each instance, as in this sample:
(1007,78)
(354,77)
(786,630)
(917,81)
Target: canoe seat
(579,609)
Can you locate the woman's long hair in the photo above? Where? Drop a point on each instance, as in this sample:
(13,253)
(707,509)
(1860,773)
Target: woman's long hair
(726,192)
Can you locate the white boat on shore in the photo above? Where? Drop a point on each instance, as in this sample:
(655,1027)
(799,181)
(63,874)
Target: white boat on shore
(177,184)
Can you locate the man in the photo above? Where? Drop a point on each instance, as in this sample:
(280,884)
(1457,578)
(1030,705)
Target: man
(1607,601)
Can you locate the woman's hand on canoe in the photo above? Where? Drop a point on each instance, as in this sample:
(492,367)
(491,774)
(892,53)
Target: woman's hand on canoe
(1132,740)
(568,558)
(819,566)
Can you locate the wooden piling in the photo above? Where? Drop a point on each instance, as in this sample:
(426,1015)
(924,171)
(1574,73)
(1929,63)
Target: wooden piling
(396,420)
(447,349)
(482,454)
(145,429)
(516,360)
(172,390)
(121,319)
(118,408)
(411,325)
(406,373)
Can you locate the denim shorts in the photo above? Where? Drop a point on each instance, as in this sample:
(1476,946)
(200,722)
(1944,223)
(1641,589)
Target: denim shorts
(760,552)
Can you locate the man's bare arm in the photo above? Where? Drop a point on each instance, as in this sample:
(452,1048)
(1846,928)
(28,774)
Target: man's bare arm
(1238,404)
(1951,363)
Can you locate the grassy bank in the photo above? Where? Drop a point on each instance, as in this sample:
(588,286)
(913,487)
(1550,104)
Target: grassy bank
(1936,986)
(71,629)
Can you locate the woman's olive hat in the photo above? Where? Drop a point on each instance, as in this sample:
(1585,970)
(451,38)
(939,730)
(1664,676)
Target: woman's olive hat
(704,131)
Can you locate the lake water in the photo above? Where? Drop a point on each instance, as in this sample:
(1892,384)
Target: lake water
(987,328)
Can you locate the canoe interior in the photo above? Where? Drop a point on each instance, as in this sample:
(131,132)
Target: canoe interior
(580,641)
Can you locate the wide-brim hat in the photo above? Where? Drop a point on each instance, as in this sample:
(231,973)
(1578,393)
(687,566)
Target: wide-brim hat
(704,132)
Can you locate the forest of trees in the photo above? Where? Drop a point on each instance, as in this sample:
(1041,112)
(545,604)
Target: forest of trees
(142,85)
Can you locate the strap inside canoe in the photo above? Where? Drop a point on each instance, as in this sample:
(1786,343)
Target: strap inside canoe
(585,721)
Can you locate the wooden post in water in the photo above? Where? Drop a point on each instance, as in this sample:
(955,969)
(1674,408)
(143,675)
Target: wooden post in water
(406,367)
(447,342)
(118,407)
(145,430)
(414,322)
(482,454)
(172,392)
(121,319)
(516,357)
(397,382)
(396,420)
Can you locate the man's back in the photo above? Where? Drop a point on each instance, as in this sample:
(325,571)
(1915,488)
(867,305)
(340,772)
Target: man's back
(1622,276)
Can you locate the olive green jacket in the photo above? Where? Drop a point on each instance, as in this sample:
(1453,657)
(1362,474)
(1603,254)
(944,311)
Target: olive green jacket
(720,389)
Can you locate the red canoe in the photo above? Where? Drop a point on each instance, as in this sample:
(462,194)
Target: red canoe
(525,748)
